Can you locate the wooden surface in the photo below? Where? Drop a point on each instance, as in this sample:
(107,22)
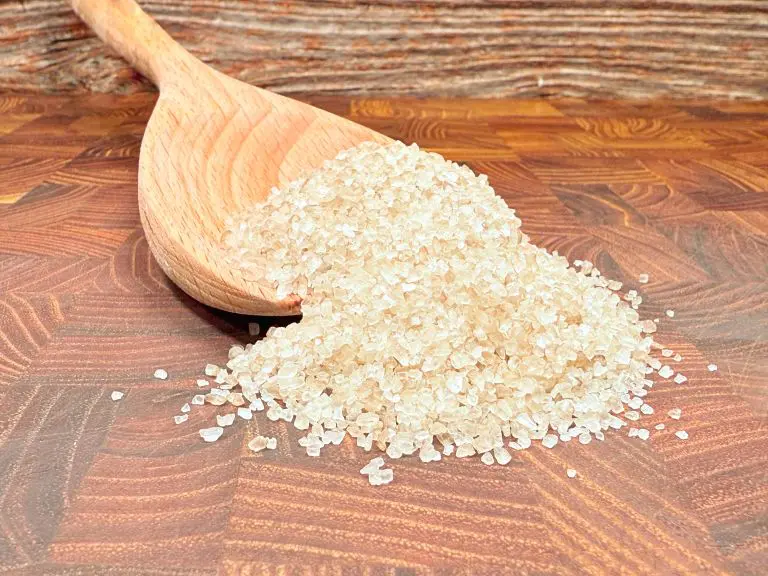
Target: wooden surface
(213,147)
(92,486)
(521,48)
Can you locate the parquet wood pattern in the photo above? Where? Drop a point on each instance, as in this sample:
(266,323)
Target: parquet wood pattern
(91,486)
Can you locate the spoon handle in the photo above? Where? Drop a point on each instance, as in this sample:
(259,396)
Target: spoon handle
(124,26)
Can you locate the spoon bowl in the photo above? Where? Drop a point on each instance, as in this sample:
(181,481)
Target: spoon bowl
(213,147)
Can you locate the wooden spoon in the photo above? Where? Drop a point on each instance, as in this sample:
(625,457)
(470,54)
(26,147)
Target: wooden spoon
(213,147)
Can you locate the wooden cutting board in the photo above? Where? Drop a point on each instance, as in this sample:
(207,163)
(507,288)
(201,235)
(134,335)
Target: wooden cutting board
(92,486)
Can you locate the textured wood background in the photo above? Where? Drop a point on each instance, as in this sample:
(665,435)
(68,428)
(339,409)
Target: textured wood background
(521,48)
(91,486)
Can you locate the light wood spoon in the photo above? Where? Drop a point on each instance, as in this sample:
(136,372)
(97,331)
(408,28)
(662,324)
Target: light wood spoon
(213,146)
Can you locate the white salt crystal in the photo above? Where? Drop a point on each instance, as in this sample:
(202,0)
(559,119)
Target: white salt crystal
(245,413)
(381,477)
(198,400)
(643,434)
(549,441)
(670,313)
(712,367)
(682,434)
(502,455)
(571,473)
(202,383)
(211,370)
(225,419)
(677,358)
(185,408)
(258,443)
(675,413)
(160,374)
(666,371)
(660,426)
(666,352)
(680,379)
(632,415)
(211,434)
(117,395)
(487,458)
(643,279)
(646,409)
(372,466)
(271,443)
(179,418)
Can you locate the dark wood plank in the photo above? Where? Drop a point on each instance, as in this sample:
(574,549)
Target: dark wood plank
(92,486)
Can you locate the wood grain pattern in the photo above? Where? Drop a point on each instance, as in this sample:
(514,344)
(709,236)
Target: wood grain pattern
(520,48)
(91,486)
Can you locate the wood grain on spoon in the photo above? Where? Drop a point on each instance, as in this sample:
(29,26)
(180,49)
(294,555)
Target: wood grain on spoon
(213,146)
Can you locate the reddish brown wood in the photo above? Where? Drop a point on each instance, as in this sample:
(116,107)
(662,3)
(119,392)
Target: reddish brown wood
(91,486)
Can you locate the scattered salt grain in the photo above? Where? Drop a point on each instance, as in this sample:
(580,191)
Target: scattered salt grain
(712,367)
(258,443)
(643,434)
(160,374)
(677,358)
(643,279)
(245,413)
(211,370)
(211,434)
(198,400)
(502,455)
(117,395)
(487,458)
(202,383)
(660,426)
(666,371)
(271,443)
(179,418)
(185,408)
(670,313)
(666,352)
(549,441)
(632,415)
(373,466)
(682,434)
(646,409)
(225,419)
(381,477)
(680,378)
(675,413)
(571,473)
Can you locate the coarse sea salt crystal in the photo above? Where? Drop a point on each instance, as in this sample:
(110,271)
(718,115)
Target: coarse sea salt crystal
(666,371)
(712,367)
(682,434)
(225,419)
(160,374)
(571,473)
(117,395)
(675,413)
(211,434)
(179,418)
